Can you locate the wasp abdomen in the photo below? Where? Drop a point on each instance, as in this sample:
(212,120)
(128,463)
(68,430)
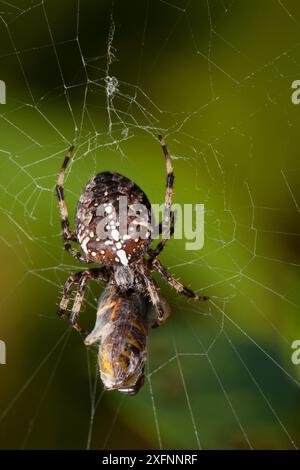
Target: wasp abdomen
(122,328)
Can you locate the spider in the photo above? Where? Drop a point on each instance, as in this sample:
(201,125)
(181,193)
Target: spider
(131,302)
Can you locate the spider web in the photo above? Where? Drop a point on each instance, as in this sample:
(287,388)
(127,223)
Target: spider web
(108,79)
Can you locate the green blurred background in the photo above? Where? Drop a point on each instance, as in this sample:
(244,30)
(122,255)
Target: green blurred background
(214,76)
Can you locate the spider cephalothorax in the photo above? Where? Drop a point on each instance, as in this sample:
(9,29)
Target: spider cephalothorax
(109,233)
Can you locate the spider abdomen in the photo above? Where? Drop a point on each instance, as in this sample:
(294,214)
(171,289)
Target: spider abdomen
(106,226)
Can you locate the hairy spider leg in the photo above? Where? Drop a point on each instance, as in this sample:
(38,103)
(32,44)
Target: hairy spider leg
(166,227)
(67,235)
(161,308)
(80,278)
(178,286)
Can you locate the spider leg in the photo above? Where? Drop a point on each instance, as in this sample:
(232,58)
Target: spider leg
(67,235)
(160,246)
(178,286)
(160,306)
(73,279)
(170,177)
(77,304)
(166,227)
(79,278)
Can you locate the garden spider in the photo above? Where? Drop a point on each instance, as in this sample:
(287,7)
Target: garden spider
(131,302)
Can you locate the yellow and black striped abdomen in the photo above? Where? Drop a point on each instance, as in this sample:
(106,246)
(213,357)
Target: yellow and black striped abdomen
(122,328)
